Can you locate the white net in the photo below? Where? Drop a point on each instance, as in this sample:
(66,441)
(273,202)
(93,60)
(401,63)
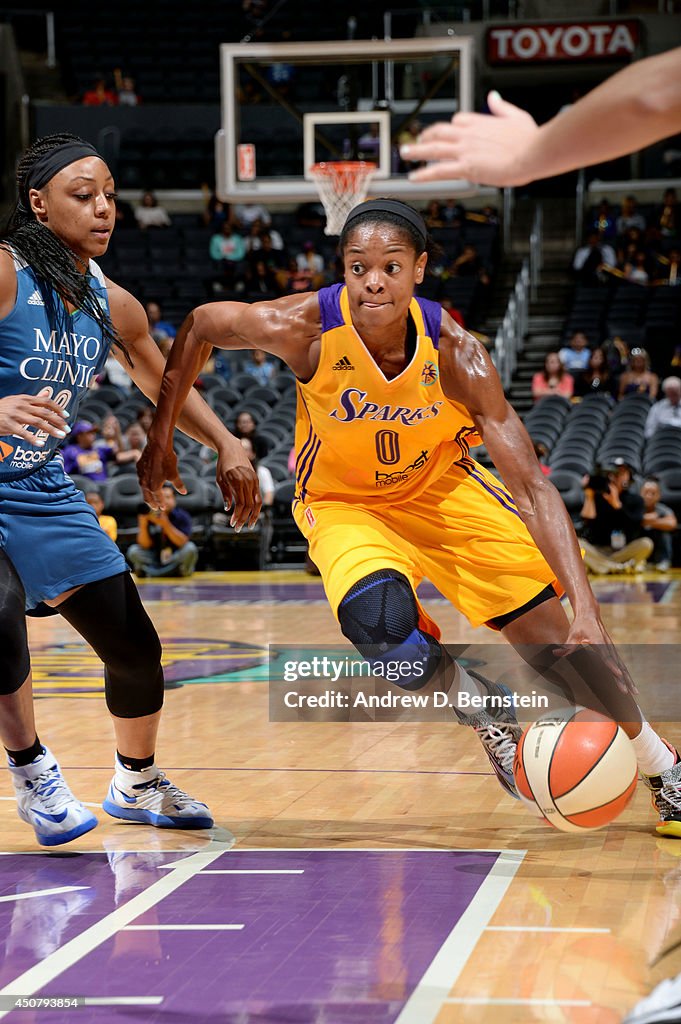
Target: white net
(341,186)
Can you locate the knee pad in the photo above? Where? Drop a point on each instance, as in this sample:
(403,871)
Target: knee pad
(15,663)
(110,616)
(379,615)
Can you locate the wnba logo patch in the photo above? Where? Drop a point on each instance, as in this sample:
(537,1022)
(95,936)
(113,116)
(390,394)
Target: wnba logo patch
(429,373)
(5,451)
(309,515)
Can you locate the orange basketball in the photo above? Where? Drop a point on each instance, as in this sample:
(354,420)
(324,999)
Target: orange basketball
(578,767)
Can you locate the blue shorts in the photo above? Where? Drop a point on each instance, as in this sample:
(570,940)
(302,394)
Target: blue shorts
(52,535)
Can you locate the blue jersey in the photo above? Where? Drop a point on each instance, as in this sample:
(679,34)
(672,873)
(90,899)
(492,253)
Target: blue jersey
(55,360)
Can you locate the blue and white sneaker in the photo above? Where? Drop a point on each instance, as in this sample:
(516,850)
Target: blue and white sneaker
(46,803)
(149,798)
(499,732)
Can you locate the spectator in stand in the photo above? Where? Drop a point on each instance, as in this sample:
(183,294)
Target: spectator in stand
(135,440)
(216,212)
(107,523)
(433,215)
(158,327)
(294,279)
(638,378)
(311,262)
(150,214)
(407,137)
(635,266)
(99,95)
(596,378)
(604,222)
(575,355)
(590,257)
(228,251)
(453,213)
(112,433)
(613,518)
(164,546)
(246,213)
(245,426)
(669,221)
(659,523)
(255,240)
(469,264)
(670,268)
(629,217)
(125,89)
(666,413)
(265,478)
(261,280)
(85,457)
(553,379)
(261,367)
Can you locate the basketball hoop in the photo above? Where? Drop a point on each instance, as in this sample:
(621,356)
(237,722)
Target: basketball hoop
(341,185)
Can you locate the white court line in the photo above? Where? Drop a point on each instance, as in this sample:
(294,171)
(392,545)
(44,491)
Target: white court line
(183,927)
(41,892)
(37,977)
(542,928)
(249,871)
(669,592)
(482,1001)
(425,1002)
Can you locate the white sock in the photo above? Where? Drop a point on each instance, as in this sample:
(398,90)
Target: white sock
(652,753)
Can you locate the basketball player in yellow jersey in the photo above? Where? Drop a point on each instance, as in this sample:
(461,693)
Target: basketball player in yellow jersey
(391,393)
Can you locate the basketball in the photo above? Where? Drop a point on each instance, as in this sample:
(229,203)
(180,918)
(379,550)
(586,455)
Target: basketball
(578,767)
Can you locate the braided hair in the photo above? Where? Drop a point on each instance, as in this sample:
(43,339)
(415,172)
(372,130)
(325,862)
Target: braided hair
(57,267)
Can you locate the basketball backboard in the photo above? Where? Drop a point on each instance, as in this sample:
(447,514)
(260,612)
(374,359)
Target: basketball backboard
(286,106)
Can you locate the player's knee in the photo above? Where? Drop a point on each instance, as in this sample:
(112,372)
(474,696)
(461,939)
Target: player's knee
(110,616)
(379,616)
(14,657)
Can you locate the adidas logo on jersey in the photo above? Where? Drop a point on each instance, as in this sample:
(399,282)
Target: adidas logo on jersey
(343,364)
(36,299)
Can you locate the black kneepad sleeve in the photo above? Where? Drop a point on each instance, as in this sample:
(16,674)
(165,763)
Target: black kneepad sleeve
(14,659)
(379,615)
(110,616)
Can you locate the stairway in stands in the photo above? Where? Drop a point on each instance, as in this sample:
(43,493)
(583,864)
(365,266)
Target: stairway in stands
(547,312)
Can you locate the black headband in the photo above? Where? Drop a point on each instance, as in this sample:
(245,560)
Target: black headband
(51,163)
(395,207)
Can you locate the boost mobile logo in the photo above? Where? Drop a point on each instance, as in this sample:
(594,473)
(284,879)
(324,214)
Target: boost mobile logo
(5,451)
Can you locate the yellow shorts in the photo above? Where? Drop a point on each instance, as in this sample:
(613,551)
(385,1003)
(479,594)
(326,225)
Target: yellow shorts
(463,534)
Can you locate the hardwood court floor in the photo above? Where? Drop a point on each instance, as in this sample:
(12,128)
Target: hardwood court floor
(561,928)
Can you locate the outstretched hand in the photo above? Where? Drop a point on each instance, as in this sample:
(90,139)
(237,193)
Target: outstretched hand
(157,466)
(238,482)
(488,149)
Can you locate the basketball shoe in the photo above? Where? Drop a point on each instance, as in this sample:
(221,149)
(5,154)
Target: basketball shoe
(666,793)
(498,731)
(151,799)
(46,803)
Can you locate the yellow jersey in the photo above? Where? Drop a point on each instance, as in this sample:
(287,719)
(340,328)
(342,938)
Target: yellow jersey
(362,437)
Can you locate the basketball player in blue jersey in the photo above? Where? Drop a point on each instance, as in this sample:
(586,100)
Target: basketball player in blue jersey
(59,317)
(391,393)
